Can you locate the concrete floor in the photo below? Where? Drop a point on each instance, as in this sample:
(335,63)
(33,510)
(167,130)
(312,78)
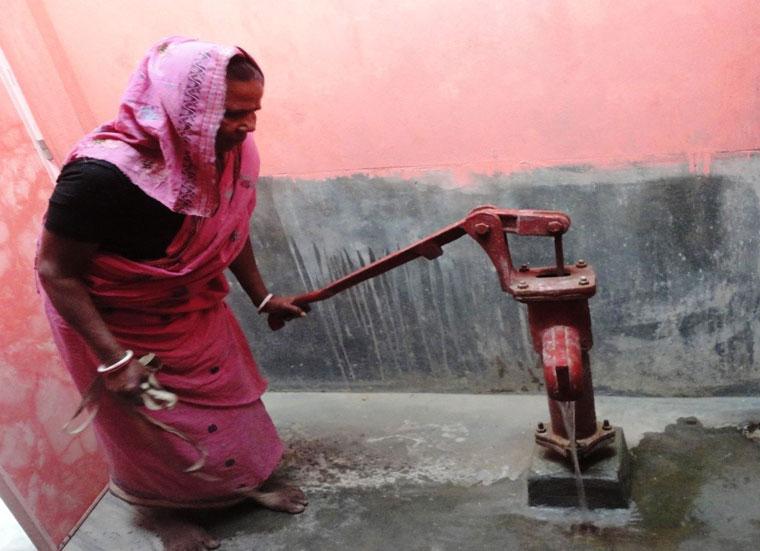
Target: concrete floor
(444,472)
(12,536)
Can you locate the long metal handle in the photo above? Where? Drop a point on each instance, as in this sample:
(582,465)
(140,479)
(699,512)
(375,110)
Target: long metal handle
(485,224)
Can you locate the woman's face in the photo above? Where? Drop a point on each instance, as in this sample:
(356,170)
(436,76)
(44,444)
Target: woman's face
(242,101)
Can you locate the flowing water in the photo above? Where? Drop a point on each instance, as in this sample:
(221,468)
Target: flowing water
(568,418)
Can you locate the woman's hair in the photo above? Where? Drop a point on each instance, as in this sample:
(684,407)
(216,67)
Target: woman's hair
(244,69)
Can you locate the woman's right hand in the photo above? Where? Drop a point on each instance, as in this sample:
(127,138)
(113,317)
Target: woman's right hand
(126,381)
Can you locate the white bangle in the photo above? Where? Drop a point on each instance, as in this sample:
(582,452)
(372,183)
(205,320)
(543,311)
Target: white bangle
(118,364)
(264,302)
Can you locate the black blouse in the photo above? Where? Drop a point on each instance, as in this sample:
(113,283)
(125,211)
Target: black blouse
(95,202)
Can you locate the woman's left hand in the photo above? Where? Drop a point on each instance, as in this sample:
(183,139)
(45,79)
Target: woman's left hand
(285,308)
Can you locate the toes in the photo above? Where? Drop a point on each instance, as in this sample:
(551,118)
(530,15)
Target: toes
(179,533)
(186,546)
(297,495)
(211,543)
(295,508)
(288,499)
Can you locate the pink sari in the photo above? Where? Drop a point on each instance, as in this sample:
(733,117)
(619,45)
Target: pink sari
(174,306)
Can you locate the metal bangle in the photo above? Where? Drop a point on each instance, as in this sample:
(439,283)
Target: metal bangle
(118,364)
(264,302)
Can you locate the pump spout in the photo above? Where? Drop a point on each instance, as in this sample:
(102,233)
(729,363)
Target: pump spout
(561,334)
(563,364)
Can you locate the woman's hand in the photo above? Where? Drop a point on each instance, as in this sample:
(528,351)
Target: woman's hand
(284,308)
(126,381)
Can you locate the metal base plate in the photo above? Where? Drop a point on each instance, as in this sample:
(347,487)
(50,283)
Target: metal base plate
(606,477)
(586,446)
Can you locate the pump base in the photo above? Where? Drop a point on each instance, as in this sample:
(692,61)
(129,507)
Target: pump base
(606,477)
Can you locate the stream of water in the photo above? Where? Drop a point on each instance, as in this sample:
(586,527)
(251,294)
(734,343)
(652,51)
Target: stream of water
(568,418)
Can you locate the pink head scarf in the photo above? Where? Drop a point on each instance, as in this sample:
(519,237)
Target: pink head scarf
(163,138)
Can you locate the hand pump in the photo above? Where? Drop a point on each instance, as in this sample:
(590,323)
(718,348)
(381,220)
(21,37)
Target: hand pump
(556,297)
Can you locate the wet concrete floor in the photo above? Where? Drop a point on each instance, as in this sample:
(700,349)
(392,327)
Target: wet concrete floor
(447,472)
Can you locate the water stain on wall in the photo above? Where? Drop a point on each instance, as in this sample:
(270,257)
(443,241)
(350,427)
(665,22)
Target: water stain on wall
(675,253)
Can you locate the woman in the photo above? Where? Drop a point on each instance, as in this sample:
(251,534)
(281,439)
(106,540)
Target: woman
(148,212)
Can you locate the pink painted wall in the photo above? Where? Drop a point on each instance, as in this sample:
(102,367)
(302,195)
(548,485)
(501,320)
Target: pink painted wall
(47,478)
(461,85)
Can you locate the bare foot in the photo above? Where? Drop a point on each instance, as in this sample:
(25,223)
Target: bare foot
(279,497)
(179,533)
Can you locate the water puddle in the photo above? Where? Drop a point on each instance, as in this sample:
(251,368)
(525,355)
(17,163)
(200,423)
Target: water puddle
(692,488)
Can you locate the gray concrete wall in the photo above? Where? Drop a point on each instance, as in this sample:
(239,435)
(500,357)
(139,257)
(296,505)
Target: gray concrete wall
(676,255)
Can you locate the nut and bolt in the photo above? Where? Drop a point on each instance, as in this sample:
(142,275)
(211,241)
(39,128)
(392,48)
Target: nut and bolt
(522,285)
(581,264)
(541,428)
(524,268)
(583,280)
(481,228)
(554,227)
(606,425)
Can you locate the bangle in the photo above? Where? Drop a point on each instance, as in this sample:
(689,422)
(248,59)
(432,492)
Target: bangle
(264,302)
(118,364)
